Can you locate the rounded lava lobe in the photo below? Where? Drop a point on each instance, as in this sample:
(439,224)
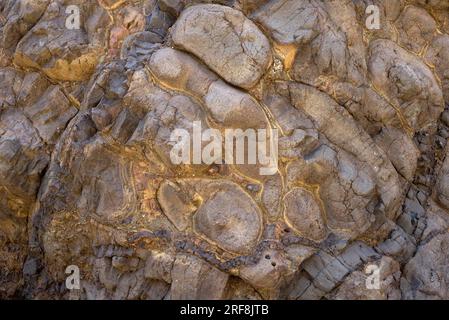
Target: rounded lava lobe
(228,42)
(230,219)
(167,64)
(268,272)
(303,213)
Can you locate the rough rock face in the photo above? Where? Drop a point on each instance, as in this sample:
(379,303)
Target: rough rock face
(357,206)
(227,42)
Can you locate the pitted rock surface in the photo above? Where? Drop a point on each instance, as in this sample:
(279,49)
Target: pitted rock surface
(228,42)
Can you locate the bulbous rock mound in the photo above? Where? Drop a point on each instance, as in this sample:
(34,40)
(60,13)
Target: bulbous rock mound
(303,212)
(228,42)
(87,175)
(230,218)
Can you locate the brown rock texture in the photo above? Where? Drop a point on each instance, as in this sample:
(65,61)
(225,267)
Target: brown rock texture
(92,90)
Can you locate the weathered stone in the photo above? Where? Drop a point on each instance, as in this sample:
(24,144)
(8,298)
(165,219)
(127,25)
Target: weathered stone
(268,272)
(445,117)
(327,271)
(228,42)
(416,28)
(438,56)
(407,82)
(88,174)
(50,114)
(20,16)
(310,42)
(303,211)
(229,218)
(400,149)
(175,205)
(62,53)
(192,278)
(442,187)
(180,71)
(159,266)
(357,285)
(426,274)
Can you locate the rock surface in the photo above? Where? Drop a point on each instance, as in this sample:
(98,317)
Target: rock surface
(227,42)
(357,208)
